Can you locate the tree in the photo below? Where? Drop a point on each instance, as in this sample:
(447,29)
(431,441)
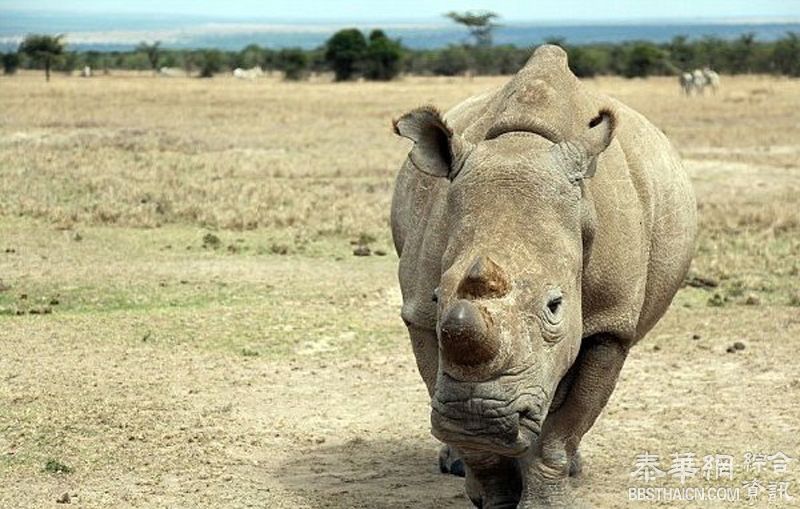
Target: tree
(211,63)
(479,24)
(681,53)
(293,62)
(153,52)
(452,61)
(10,63)
(643,59)
(344,53)
(786,54)
(383,57)
(43,49)
(741,53)
(251,56)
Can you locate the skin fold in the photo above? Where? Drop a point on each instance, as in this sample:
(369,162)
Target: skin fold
(542,229)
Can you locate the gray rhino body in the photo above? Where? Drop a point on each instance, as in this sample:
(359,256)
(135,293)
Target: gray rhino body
(543,229)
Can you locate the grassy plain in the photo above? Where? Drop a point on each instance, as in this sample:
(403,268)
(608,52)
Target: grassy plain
(183,323)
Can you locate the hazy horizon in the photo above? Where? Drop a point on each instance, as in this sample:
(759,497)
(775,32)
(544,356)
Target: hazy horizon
(121,30)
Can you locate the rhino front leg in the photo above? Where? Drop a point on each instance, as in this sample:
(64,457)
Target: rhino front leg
(426,352)
(493,482)
(596,371)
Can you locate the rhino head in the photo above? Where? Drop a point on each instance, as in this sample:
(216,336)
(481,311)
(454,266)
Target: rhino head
(509,300)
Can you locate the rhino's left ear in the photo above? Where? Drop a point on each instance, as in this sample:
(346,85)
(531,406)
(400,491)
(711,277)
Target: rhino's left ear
(578,156)
(437,150)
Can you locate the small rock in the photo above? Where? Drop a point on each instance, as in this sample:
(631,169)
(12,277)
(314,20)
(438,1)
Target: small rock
(227,477)
(753,300)
(54,302)
(362,250)
(738,345)
(77,237)
(656,348)
(697,281)
(695,336)
(380,252)
(64,498)
(730,349)
(10,250)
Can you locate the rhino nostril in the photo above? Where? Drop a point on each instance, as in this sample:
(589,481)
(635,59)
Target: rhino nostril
(484,280)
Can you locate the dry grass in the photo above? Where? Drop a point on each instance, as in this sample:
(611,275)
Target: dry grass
(270,368)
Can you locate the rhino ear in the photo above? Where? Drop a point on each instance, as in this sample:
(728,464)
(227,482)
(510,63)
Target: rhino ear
(578,156)
(437,150)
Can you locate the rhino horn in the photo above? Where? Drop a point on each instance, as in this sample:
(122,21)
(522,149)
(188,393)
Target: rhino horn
(484,280)
(465,335)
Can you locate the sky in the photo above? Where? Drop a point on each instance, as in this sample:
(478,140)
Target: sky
(400,10)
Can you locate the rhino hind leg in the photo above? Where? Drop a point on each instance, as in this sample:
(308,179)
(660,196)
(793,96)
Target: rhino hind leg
(596,371)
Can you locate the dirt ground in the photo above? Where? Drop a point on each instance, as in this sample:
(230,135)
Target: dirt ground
(183,323)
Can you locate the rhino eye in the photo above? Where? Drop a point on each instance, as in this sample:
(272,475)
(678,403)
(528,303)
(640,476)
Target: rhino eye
(554,304)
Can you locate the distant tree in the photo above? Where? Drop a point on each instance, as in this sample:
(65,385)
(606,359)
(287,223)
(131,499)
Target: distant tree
(211,63)
(69,62)
(587,62)
(681,53)
(452,61)
(383,57)
(786,54)
(479,24)
(643,59)
(10,63)
(293,62)
(251,56)
(741,53)
(153,52)
(345,52)
(43,49)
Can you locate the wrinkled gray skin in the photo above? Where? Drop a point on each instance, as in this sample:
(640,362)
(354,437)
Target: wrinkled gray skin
(542,229)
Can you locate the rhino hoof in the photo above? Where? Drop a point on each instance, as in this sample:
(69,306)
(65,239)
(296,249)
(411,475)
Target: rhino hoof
(450,463)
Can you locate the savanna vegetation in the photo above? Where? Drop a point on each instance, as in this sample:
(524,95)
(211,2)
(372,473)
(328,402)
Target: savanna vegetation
(183,321)
(351,54)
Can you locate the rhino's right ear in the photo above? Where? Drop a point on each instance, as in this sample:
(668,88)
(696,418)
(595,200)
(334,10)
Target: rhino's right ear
(437,150)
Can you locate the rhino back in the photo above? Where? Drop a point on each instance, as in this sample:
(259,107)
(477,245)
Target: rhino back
(645,228)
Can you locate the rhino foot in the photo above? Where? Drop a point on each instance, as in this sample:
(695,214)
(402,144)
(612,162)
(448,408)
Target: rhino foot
(450,462)
(576,465)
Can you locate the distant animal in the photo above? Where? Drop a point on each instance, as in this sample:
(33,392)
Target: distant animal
(686,81)
(171,72)
(699,81)
(543,229)
(711,78)
(248,74)
(86,72)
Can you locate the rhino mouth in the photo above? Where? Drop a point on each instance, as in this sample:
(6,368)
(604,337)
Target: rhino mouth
(505,427)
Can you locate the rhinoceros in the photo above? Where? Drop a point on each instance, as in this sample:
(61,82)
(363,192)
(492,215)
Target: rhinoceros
(543,228)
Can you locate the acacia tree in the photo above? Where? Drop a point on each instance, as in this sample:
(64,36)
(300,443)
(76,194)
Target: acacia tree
(44,49)
(479,24)
(153,52)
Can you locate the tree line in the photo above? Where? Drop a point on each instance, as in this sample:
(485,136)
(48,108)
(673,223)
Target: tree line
(350,54)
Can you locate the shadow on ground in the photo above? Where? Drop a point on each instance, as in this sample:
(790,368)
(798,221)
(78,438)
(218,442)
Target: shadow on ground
(374,474)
